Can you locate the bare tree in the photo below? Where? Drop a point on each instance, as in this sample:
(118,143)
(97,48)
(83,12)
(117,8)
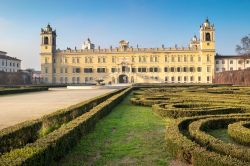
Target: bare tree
(244,47)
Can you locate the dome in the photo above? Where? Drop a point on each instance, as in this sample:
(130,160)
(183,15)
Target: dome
(194,38)
(206,23)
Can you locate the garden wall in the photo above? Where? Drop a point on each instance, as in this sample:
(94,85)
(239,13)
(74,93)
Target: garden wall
(238,77)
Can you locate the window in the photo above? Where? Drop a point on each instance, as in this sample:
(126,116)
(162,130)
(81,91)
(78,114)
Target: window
(173,59)
(199,69)
(191,69)
(247,62)
(208,58)
(191,59)
(113,59)
(153,69)
(88,70)
(172,69)
(151,58)
(231,61)
(239,68)
(239,62)
(61,79)
(113,70)
(192,78)
(172,79)
(185,58)
(166,58)
(46,60)
(166,79)
(46,40)
(185,78)
(199,58)
(61,70)
(199,78)
(133,70)
(178,69)
(217,62)
(73,60)
(101,70)
(66,79)
(208,69)
(208,37)
(179,59)
(208,78)
(217,69)
(133,59)
(179,78)
(223,61)
(73,80)
(185,69)
(66,70)
(77,60)
(142,69)
(165,69)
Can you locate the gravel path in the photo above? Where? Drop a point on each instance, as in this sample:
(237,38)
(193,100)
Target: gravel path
(21,107)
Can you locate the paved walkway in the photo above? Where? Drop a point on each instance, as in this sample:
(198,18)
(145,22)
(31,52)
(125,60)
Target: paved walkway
(20,107)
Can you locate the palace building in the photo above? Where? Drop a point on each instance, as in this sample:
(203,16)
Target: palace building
(126,64)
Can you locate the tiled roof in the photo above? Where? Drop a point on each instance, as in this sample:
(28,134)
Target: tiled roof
(231,56)
(3,56)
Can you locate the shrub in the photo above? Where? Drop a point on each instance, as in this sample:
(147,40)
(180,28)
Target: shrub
(56,144)
(22,90)
(187,110)
(19,135)
(182,146)
(240,132)
(198,129)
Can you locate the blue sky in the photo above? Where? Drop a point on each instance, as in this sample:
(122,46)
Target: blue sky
(148,23)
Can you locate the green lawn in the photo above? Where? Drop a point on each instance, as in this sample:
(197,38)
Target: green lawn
(129,135)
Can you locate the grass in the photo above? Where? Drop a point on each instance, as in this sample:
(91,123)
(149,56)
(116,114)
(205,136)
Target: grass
(222,135)
(129,135)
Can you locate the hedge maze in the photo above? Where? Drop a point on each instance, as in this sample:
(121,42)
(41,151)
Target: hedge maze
(198,112)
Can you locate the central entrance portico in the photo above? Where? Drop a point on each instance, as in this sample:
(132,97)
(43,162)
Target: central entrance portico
(123,79)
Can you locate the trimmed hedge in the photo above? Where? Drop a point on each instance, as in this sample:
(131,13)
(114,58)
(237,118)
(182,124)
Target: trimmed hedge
(22,90)
(57,144)
(186,110)
(198,130)
(182,146)
(19,135)
(240,132)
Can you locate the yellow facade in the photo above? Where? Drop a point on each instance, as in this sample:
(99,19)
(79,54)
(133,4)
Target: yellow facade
(124,64)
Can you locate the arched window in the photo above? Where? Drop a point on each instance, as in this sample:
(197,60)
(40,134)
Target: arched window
(208,38)
(46,40)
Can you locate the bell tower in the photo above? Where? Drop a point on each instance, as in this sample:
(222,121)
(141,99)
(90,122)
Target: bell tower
(207,36)
(48,40)
(48,54)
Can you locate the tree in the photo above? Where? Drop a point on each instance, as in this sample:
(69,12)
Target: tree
(244,47)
